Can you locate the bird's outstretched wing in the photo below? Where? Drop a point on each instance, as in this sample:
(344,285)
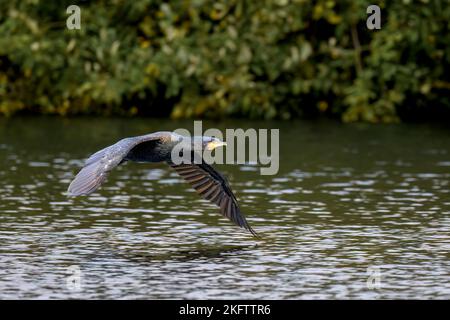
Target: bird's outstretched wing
(98,165)
(213,186)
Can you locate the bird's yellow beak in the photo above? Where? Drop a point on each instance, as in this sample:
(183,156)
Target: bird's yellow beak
(214,144)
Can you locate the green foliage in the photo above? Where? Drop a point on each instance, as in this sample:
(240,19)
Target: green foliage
(199,58)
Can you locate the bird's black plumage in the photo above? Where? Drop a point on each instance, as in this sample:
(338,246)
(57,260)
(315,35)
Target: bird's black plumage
(157,147)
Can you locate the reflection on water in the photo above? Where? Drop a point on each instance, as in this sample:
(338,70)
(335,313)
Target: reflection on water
(347,200)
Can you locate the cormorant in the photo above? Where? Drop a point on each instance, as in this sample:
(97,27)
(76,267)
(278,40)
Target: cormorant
(157,147)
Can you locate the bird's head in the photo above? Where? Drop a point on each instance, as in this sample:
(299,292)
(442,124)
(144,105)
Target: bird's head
(209,143)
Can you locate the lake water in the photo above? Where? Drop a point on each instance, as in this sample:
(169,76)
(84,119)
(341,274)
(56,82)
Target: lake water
(355,211)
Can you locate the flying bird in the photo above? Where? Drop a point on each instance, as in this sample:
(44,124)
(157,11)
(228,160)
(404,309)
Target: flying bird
(157,147)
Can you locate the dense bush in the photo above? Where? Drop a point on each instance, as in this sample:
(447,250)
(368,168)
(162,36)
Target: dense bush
(258,59)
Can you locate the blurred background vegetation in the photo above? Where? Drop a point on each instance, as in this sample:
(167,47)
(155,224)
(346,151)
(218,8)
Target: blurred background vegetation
(256,59)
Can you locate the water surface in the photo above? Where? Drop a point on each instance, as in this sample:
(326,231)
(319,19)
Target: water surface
(356,211)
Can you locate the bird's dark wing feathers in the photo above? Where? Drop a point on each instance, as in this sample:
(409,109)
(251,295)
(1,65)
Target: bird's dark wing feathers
(213,186)
(98,165)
